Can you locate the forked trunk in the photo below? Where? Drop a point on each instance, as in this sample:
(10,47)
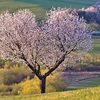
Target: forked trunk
(43,85)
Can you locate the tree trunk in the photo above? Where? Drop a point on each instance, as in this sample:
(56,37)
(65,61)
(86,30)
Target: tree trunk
(43,84)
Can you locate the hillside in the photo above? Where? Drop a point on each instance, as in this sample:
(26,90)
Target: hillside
(82,94)
(39,7)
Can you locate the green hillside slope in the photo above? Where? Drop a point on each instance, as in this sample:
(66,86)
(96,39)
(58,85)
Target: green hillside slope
(40,6)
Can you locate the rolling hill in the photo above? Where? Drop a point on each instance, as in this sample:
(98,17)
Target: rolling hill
(39,7)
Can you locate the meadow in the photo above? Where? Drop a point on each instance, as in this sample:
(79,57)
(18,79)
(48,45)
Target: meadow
(81,94)
(85,83)
(39,7)
(96,46)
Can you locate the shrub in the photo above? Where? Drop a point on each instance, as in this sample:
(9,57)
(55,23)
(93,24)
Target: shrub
(94,26)
(9,77)
(15,89)
(29,86)
(54,83)
(14,74)
(5,89)
(2,63)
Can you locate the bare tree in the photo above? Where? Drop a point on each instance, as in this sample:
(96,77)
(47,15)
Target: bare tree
(62,38)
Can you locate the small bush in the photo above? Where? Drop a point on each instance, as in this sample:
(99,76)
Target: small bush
(14,74)
(2,62)
(29,86)
(15,89)
(94,26)
(54,83)
(5,89)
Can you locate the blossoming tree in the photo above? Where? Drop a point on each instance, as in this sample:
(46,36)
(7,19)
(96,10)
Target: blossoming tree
(62,38)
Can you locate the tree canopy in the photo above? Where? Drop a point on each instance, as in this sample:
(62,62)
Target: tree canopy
(60,39)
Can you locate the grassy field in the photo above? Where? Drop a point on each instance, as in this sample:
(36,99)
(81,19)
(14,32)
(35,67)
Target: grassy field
(85,83)
(82,94)
(39,7)
(96,47)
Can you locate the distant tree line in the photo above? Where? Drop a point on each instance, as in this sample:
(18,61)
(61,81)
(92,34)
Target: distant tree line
(91,14)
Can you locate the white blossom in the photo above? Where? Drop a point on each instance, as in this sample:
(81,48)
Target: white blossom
(21,38)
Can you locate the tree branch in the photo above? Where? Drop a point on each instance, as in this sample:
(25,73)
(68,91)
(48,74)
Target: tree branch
(61,45)
(36,71)
(58,62)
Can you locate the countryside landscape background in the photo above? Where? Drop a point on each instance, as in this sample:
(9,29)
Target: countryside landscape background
(82,75)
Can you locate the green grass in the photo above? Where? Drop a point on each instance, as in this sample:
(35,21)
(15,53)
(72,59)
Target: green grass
(91,82)
(96,47)
(39,7)
(82,94)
